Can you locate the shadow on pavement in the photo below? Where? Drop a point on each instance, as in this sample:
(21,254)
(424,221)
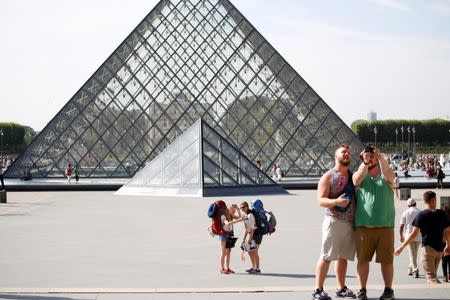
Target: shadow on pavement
(34,297)
(289,275)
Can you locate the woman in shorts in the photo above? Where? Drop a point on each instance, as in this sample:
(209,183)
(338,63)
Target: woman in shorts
(227,219)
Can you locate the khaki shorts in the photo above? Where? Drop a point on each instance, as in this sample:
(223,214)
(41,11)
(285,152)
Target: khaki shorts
(338,240)
(371,240)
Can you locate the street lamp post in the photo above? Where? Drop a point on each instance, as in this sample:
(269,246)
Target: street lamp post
(409,134)
(414,140)
(402,130)
(375,133)
(396,140)
(1,136)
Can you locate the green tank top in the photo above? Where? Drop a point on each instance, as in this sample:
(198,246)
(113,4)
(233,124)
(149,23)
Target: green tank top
(375,203)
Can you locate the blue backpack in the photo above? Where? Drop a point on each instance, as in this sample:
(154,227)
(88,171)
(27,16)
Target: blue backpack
(262,224)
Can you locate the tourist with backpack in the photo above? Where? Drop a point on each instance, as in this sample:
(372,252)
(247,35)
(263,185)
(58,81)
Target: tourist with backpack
(254,231)
(223,219)
(228,241)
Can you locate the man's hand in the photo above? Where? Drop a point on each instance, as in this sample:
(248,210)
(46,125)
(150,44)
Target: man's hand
(377,153)
(342,202)
(398,251)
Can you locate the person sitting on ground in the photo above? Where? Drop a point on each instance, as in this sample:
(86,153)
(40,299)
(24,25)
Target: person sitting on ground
(26,176)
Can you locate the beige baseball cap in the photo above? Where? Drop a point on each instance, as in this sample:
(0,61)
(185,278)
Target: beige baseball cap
(411,202)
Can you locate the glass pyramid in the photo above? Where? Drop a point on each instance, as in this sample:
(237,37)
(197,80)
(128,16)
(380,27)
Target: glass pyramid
(200,163)
(189,59)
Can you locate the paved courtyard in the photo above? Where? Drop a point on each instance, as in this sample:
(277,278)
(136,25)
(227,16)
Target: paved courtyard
(97,245)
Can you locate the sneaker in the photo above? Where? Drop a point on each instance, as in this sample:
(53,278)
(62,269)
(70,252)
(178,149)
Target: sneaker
(345,292)
(224,271)
(433,280)
(253,271)
(230,271)
(319,294)
(362,294)
(249,270)
(258,271)
(388,294)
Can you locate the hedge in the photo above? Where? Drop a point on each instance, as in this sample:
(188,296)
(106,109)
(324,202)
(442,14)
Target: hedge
(434,132)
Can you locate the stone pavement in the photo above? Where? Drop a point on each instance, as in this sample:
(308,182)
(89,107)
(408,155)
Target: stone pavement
(96,245)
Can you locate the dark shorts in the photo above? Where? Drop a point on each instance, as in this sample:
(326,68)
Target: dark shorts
(257,238)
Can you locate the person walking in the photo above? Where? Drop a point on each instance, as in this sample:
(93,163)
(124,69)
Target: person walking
(434,225)
(335,192)
(69,172)
(258,171)
(446,256)
(252,237)
(406,221)
(396,185)
(440,175)
(76,173)
(374,219)
(279,173)
(1,178)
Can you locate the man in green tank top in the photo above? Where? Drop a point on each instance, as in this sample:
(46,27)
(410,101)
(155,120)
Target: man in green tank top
(374,219)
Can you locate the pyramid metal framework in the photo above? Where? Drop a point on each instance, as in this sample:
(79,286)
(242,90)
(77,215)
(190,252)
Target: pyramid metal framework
(200,163)
(189,59)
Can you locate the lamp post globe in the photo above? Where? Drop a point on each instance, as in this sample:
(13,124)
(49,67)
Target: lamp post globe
(396,140)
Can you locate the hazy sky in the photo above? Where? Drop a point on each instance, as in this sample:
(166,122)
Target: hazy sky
(390,56)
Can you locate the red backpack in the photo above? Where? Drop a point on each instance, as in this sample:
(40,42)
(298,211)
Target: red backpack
(215,212)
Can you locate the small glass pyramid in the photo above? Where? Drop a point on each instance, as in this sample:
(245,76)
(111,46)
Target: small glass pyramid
(200,162)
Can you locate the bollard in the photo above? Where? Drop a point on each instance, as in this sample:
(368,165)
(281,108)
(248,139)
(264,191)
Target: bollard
(405,193)
(445,201)
(3,196)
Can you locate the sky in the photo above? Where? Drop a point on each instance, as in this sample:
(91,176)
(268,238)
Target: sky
(387,56)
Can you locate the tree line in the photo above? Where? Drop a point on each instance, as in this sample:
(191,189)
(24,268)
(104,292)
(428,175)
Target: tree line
(433,133)
(14,137)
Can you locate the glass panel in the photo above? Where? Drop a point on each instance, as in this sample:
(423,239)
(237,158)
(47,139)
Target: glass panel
(187,60)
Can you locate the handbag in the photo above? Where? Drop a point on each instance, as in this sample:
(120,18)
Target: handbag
(231,241)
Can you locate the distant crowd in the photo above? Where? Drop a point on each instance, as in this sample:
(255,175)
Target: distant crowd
(6,161)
